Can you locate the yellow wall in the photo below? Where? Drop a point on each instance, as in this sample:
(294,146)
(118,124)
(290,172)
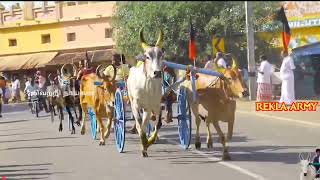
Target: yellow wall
(299,37)
(29,38)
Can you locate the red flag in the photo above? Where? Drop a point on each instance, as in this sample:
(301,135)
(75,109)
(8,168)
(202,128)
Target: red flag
(192,44)
(286,33)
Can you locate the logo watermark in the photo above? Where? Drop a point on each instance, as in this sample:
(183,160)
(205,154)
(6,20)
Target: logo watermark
(59,93)
(277,106)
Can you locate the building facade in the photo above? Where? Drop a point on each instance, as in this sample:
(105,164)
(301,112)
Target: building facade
(63,28)
(46,37)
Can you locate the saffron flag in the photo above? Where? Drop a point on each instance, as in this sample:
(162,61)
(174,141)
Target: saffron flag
(192,44)
(286,33)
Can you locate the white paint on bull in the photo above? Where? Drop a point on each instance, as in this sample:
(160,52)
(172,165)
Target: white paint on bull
(312,124)
(224,163)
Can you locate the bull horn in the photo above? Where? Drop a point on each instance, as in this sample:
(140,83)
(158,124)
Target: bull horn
(68,70)
(160,39)
(50,77)
(234,64)
(218,68)
(100,72)
(143,42)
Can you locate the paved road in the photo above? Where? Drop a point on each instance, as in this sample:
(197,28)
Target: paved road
(262,148)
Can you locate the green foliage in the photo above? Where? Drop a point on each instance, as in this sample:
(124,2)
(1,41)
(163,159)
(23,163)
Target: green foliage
(222,18)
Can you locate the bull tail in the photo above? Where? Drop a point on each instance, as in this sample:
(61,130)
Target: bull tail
(203,117)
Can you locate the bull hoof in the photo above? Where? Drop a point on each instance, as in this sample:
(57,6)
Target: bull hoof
(133,131)
(229,138)
(83,131)
(102,143)
(209,145)
(60,128)
(78,123)
(144,154)
(226,157)
(198,145)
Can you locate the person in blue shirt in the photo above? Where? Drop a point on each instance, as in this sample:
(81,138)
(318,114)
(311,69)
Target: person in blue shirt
(316,160)
(169,98)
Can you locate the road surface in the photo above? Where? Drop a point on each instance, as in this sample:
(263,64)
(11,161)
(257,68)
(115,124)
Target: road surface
(262,148)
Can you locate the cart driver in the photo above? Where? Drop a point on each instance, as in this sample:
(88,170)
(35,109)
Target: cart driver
(122,68)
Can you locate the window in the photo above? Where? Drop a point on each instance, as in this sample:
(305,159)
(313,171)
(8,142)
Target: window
(71,3)
(45,38)
(71,36)
(12,42)
(108,33)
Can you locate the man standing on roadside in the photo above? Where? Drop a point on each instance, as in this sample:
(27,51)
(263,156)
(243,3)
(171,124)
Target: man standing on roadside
(264,91)
(287,77)
(16,89)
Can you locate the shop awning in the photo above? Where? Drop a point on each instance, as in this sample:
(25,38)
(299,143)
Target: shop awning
(102,55)
(27,61)
(64,58)
(308,50)
(75,57)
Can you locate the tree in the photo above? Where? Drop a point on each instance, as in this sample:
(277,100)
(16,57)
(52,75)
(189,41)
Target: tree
(209,19)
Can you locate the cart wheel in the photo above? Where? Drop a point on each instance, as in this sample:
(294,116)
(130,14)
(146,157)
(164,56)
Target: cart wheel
(93,120)
(120,121)
(184,118)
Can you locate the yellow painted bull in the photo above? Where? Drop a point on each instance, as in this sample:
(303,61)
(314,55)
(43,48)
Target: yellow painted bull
(97,92)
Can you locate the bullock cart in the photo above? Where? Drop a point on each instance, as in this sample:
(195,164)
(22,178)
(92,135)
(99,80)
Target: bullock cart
(121,97)
(183,109)
(120,100)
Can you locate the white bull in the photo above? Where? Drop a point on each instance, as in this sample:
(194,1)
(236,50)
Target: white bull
(144,90)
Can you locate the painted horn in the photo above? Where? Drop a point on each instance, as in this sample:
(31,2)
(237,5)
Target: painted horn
(160,39)
(100,72)
(300,156)
(143,42)
(68,70)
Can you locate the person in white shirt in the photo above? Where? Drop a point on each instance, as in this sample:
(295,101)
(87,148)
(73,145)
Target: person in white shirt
(16,89)
(264,91)
(219,59)
(287,77)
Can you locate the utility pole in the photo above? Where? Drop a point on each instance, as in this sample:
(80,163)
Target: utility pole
(250,50)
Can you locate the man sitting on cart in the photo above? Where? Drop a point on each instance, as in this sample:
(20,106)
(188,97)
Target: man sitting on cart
(122,68)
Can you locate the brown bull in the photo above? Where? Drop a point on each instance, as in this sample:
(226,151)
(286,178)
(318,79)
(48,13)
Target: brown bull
(215,102)
(100,97)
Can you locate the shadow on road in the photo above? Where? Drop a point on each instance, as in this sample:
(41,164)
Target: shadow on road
(41,139)
(35,171)
(16,134)
(16,121)
(40,147)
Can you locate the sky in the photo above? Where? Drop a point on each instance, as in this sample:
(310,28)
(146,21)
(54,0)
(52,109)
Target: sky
(8,4)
